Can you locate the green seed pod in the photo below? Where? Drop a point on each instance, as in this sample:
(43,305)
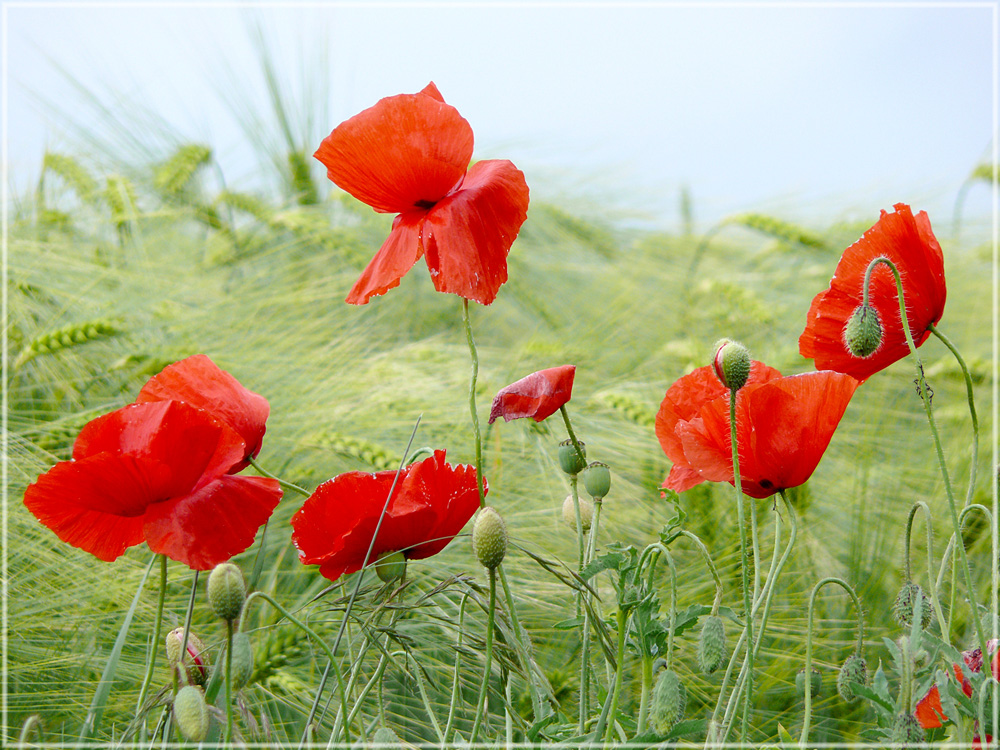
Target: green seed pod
(712,644)
(597,479)
(907,732)
(855,670)
(815,683)
(569,457)
(385,738)
(903,607)
(489,537)
(731,364)
(196,663)
(191,713)
(242,666)
(390,566)
(668,702)
(226,591)
(863,332)
(586,512)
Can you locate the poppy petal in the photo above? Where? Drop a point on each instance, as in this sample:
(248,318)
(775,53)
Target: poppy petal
(466,236)
(396,256)
(212,524)
(907,241)
(455,496)
(929,711)
(97,504)
(406,152)
(200,382)
(539,395)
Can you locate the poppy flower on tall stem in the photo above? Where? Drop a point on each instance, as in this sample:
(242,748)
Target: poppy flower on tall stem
(538,395)
(155,473)
(409,155)
(908,242)
(784,425)
(431,503)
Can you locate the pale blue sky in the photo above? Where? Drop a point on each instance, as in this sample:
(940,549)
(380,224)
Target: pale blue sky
(805,110)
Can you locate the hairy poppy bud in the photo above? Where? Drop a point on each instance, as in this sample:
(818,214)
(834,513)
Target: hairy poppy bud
(569,457)
(489,537)
(386,739)
(242,666)
(815,683)
(390,566)
(712,644)
(586,512)
(907,732)
(668,703)
(597,479)
(863,332)
(855,669)
(906,602)
(196,655)
(191,713)
(731,364)
(226,591)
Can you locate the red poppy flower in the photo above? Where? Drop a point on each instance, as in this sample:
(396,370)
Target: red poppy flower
(539,395)
(929,711)
(431,503)
(198,381)
(907,241)
(156,473)
(929,707)
(784,425)
(409,155)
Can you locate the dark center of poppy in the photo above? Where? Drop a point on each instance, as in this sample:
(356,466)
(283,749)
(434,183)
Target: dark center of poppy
(767,484)
(425,204)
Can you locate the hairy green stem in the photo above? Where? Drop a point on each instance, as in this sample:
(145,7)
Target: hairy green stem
(472,401)
(572,435)
(456,680)
(622,619)
(482,699)
(935,603)
(156,640)
(287,485)
(741,515)
(229,681)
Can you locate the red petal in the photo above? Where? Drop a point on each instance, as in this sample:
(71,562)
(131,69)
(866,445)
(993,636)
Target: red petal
(97,504)
(928,711)
(198,381)
(466,236)
(452,491)
(539,395)
(196,446)
(397,255)
(213,523)
(909,243)
(406,152)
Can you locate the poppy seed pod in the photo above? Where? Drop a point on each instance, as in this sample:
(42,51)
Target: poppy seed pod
(668,703)
(712,644)
(569,457)
(863,332)
(907,732)
(815,683)
(191,713)
(855,670)
(226,591)
(242,666)
(597,479)
(390,566)
(196,672)
(489,537)
(731,364)
(586,512)
(906,600)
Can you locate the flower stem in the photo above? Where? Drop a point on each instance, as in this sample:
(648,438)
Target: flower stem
(622,619)
(472,401)
(281,482)
(935,603)
(456,680)
(572,435)
(481,700)
(229,681)
(156,638)
(738,485)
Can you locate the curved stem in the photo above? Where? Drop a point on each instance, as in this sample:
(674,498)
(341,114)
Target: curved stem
(472,401)
(281,482)
(717,602)
(481,700)
(156,637)
(935,603)
(187,631)
(423,694)
(572,435)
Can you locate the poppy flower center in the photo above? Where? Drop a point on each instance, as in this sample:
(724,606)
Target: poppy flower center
(767,484)
(425,204)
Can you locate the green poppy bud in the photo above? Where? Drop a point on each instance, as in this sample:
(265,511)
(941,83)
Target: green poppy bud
(597,479)
(712,644)
(586,512)
(390,566)
(191,713)
(242,666)
(731,364)
(668,702)
(815,683)
(226,591)
(905,604)
(489,537)
(569,457)
(855,670)
(907,732)
(196,662)
(863,332)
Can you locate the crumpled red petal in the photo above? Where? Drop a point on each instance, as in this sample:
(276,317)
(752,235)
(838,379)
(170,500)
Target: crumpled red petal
(407,151)
(907,241)
(929,711)
(396,256)
(539,395)
(198,381)
(467,235)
